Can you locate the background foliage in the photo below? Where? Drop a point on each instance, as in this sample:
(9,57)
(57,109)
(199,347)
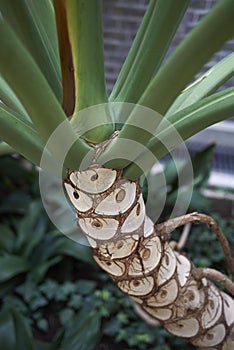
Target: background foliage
(53,296)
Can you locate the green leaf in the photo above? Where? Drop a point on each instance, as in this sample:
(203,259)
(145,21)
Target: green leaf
(7,334)
(148,49)
(11,266)
(66,246)
(15,172)
(8,98)
(20,134)
(34,24)
(66,316)
(44,250)
(43,324)
(85,333)
(5,149)
(189,57)
(16,203)
(85,287)
(203,86)
(201,163)
(7,239)
(55,345)
(23,336)
(85,18)
(174,170)
(20,70)
(33,222)
(37,302)
(40,271)
(182,125)
(27,290)
(49,288)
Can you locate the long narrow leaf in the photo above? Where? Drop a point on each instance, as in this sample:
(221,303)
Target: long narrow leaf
(85,34)
(183,125)
(20,135)
(216,27)
(205,85)
(7,334)
(86,39)
(23,335)
(12,265)
(8,97)
(149,48)
(5,149)
(34,23)
(22,74)
(188,58)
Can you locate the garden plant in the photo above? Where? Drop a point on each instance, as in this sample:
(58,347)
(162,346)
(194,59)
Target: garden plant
(55,112)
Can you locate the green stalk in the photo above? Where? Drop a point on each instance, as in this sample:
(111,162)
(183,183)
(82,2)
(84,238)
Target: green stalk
(26,80)
(148,49)
(86,40)
(34,24)
(182,125)
(188,58)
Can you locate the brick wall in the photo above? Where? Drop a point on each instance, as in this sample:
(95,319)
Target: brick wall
(121,20)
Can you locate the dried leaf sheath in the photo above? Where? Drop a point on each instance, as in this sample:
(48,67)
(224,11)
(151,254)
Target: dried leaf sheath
(111,212)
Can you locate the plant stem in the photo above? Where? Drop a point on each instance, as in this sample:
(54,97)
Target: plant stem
(86,40)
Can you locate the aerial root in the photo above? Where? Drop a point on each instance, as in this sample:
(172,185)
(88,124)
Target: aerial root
(213,274)
(170,225)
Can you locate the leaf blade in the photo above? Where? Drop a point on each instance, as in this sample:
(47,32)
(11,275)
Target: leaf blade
(12,265)
(184,124)
(189,57)
(34,24)
(84,17)
(203,86)
(20,135)
(148,49)
(20,70)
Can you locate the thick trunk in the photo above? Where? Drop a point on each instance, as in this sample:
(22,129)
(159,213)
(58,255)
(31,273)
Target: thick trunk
(126,244)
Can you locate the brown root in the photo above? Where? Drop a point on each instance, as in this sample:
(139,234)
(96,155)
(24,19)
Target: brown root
(170,225)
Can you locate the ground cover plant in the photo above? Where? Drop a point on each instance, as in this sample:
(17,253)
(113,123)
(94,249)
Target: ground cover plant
(43,305)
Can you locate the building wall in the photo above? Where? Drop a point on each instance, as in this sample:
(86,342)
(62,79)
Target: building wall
(121,20)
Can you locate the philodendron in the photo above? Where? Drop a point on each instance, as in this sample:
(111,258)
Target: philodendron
(52,70)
